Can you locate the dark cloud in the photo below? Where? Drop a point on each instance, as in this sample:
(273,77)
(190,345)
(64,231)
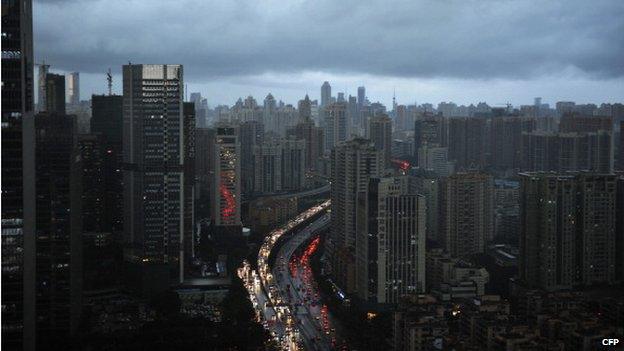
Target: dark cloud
(452,39)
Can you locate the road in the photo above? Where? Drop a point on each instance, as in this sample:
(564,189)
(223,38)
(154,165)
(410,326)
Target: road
(295,280)
(271,305)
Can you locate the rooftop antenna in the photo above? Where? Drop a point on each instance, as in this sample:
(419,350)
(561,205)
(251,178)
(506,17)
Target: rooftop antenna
(109,79)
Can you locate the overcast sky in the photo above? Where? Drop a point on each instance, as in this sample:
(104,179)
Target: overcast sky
(428,51)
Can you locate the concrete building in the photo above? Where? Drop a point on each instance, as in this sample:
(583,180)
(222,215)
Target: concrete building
(559,215)
(390,244)
(325,94)
(336,124)
(293,164)
(55,94)
(155,152)
(434,158)
(268,167)
(73,88)
(352,164)
(226,183)
(468,213)
(380,133)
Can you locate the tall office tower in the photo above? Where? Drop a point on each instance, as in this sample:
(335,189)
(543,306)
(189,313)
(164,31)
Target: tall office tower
(107,121)
(314,141)
(380,133)
(73,88)
(268,112)
(251,134)
(304,107)
(201,110)
(537,105)
(336,125)
(325,94)
(467,142)
(427,131)
(58,247)
(55,93)
(268,167)
(293,164)
(226,183)
(434,158)
(469,213)
(361,97)
(352,163)
(431,188)
(189,115)
(567,229)
(154,153)
(93,180)
(390,247)
(562,152)
(353,115)
(18,196)
(204,162)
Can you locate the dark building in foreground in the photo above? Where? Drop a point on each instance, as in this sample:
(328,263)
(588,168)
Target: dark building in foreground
(17,176)
(154,151)
(568,230)
(107,123)
(58,268)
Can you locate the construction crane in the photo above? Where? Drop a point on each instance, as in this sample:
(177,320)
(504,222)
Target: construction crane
(109,80)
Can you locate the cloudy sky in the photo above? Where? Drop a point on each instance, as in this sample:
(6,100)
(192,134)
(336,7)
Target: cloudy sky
(427,51)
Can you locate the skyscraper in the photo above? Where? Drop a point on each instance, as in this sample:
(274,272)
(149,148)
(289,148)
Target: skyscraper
(380,133)
(467,142)
(189,123)
(58,247)
(268,167)
(293,164)
(352,163)
(55,93)
(226,182)
(567,229)
(73,88)
(361,96)
(154,150)
(390,247)
(325,94)
(314,141)
(336,124)
(251,134)
(468,212)
(18,183)
(107,121)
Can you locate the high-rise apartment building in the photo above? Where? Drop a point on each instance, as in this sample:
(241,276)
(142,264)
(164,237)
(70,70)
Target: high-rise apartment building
(568,229)
(361,97)
(18,182)
(435,158)
(468,213)
(352,164)
(55,94)
(73,88)
(336,124)
(314,141)
(380,133)
(467,142)
(268,167)
(390,245)
(562,152)
(325,94)
(506,141)
(293,164)
(226,184)
(155,151)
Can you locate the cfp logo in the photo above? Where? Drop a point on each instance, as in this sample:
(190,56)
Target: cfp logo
(610,342)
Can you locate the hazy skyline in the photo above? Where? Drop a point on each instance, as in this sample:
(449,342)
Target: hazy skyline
(428,51)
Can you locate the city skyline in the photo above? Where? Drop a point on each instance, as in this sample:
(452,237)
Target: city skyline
(413,55)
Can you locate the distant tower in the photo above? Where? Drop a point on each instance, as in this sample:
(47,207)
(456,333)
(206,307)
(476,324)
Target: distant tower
(41,86)
(73,88)
(325,94)
(361,97)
